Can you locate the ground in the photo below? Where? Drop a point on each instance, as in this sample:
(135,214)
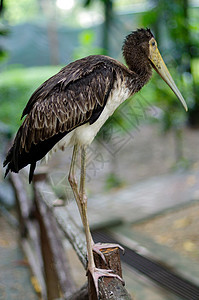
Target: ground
(177,230)
(15,275)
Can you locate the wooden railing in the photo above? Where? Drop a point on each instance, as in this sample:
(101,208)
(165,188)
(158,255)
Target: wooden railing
(43,227)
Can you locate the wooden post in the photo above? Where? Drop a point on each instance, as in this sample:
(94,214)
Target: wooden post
(109,287)
(81,294)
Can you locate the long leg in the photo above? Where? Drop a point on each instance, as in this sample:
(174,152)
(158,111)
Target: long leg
(95,272)
(73,181)
(81,200)
(71,177)
(95,247)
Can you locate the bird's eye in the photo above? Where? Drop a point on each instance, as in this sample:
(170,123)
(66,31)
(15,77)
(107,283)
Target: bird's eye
(153,43)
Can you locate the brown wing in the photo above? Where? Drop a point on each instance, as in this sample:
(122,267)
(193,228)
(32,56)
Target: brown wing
(53,111)
(67,75)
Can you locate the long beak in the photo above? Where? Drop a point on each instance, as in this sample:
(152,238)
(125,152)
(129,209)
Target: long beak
(160,67)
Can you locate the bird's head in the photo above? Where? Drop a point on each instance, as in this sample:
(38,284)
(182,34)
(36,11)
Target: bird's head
(141,52)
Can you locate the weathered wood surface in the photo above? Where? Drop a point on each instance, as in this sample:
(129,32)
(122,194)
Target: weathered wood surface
(29,232)
(56,268)
(109,287)
(81,294)
(72,232)
(50,274)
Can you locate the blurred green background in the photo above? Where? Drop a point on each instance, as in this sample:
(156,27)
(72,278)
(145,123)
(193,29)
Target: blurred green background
(37,38)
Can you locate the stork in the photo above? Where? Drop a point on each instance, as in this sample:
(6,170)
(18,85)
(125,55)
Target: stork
(71,107)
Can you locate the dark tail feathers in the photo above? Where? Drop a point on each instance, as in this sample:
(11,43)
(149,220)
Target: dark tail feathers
(11,167)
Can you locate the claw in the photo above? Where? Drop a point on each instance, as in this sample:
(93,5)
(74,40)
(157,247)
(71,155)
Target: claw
(97,273)
(98,246)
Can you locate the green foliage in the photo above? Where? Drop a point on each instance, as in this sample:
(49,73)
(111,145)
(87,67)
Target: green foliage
(86,41)
(174,24)
(20,11)
(181,164)
(3,32)
(16,87)
(113,181)
(195,70)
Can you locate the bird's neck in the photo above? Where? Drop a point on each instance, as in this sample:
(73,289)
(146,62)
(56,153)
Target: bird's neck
(139,64)
(144,73)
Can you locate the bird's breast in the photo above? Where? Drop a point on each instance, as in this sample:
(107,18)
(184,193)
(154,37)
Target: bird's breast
(85,134)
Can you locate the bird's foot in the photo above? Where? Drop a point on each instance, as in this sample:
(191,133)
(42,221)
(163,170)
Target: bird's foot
(97,273)
(99,246)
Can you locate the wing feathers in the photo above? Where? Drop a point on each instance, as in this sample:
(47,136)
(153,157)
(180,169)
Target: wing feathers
(64,110)
(74,96)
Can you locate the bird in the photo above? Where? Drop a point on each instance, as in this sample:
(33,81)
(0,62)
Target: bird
(69,109)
